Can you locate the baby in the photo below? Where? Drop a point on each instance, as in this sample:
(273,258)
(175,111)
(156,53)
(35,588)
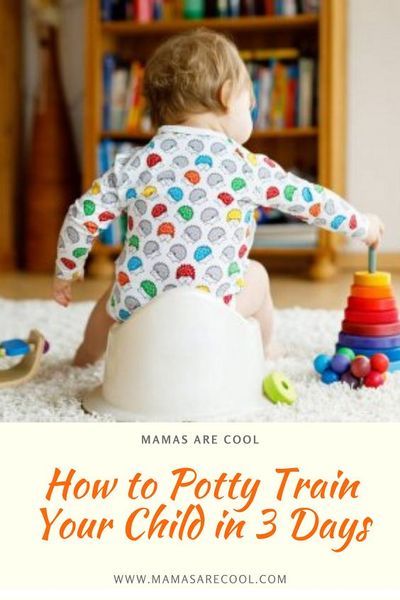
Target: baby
(190,196)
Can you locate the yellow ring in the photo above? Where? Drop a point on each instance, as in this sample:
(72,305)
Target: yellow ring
(378,279)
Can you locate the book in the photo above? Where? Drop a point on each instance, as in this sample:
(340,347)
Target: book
(306,87)
(291,118)
(234,8)
(222,8)
(109,65)
(145,11)
(278,96)
(119,84)
(265,77)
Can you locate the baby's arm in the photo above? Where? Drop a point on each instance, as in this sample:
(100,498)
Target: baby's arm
(90,214)
(312,203)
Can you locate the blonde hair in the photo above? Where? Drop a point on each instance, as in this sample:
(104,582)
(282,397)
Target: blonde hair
(185,75)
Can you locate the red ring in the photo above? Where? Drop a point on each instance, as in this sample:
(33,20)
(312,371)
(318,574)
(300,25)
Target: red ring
(371,330)
(355,303)
(374,317)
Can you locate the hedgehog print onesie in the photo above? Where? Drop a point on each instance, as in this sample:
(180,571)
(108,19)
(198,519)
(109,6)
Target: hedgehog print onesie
(189,196)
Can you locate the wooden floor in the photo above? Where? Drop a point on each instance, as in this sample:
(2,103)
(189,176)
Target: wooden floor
(287,291)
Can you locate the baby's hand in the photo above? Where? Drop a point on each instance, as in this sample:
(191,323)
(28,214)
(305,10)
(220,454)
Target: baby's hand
(376,230)
(62,291)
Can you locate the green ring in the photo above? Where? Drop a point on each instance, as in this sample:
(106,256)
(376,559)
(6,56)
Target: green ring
(278,388)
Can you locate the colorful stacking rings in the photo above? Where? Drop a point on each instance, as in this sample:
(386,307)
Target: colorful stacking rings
(378,279)
(372,322)
(393,354)
(368,329)
(362,291)
(371,342)
(376,304)
(373,316)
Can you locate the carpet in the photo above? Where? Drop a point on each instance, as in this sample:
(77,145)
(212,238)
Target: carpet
(55,393)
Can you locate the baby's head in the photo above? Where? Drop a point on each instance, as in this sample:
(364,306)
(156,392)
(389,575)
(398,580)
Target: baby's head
(200,73)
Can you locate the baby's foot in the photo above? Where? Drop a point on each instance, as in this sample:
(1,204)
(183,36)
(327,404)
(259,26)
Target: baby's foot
(84,358)
(274,351)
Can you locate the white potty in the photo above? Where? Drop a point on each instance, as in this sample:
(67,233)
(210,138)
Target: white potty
(185,356)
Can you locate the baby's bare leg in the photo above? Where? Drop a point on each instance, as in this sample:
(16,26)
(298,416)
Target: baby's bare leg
(96,334)
(255,300)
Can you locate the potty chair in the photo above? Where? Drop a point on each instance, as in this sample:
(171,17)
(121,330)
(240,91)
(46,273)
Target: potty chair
(184,356)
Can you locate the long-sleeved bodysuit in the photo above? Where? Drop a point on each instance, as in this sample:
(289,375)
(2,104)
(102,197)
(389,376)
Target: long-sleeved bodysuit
(190,196)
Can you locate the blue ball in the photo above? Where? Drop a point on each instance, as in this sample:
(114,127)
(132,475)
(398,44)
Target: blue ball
(321,363)
(340,364)
(329,376)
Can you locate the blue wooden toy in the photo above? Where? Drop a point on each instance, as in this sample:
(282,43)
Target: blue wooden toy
(31,351)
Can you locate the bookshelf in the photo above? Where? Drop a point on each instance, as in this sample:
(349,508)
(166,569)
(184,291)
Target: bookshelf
(318,149)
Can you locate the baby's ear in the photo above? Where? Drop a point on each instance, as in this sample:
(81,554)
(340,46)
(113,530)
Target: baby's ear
(224,94)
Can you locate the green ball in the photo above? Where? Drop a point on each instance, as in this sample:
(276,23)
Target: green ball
(347,352)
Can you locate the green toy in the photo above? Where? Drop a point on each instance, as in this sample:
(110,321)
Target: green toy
(278,388)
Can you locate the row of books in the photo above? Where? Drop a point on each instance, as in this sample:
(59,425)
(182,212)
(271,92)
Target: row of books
(284,87)
(275,230)
(144,11)
(123,103)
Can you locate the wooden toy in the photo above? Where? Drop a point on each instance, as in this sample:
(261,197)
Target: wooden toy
(346,352)
(393,354)
(360,367)
(354,371)
(340,363)
(380,363)
(363,291)
(368,329)
(322,362)
(394,366)
(329,376)
(278,388)
(371,324)
(371,342)
(350,380)
(373,316)
(364,278)
(31,350)
(376,304)
(374,379)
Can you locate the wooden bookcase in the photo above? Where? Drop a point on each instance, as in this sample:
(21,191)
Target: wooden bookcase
(10,129)
(318,149)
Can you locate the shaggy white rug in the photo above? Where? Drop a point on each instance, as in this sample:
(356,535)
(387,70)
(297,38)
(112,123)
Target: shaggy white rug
(55,393)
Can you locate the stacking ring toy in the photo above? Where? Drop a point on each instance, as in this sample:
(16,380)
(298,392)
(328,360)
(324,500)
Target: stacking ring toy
(393,354)
(378,279)
(381,329)
(355,341)
(373,316)
(279,388)
(394,366)
(376,304)
(361,291)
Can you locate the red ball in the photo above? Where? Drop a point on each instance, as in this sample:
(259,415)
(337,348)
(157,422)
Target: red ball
(380,363)
(360,367)
(374,379)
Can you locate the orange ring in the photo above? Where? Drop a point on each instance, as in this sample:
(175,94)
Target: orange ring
(361,291)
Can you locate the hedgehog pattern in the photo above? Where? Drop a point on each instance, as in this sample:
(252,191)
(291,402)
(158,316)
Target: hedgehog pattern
(190,196)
